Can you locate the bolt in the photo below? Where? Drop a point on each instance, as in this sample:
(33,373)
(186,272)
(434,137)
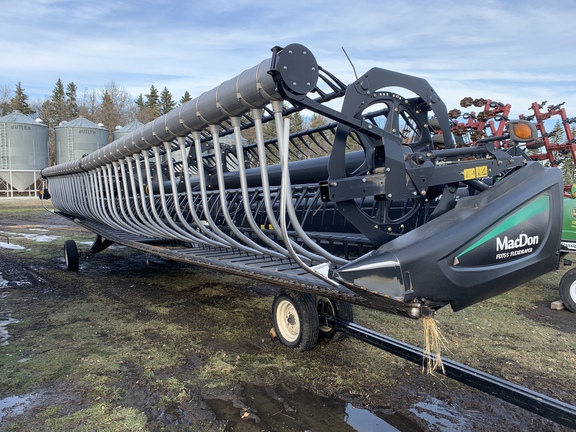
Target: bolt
(364,180)
(389,195)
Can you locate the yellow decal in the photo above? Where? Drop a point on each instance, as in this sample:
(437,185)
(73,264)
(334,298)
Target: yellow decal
(469,173)
(482,171)
(474,173)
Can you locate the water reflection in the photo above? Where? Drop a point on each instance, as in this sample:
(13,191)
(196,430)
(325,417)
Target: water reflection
(365,421)
(440,414)
(13,405)
(286,410)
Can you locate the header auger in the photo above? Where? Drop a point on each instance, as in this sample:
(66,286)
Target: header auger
(362,207)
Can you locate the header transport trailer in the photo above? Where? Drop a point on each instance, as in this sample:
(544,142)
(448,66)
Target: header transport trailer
(366,206)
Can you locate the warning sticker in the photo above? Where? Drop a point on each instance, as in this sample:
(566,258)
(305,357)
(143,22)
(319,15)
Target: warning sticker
(474,173)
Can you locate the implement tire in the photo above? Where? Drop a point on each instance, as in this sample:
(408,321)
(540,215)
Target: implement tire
(568,290)
(71,256)
(335,308)
(296,319)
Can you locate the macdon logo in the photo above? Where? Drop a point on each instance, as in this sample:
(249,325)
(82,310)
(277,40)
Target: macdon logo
(521,241)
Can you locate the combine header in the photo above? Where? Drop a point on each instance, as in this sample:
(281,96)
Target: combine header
(362,208)
(552,148)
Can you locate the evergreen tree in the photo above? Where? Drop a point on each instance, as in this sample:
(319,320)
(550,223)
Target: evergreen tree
(140,101)
(54,110)
(20,101)
(166,101)
(144,114)
(71,102)
(153,100)
(149,109)
(185,98)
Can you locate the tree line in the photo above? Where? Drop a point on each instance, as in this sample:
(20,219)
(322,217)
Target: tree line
(110,106)
(113,106)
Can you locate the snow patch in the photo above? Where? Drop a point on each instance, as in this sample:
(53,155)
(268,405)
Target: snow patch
(11,246)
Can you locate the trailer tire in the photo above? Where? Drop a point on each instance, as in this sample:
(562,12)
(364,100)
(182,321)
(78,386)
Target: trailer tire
(71,256)
(296,319)
(568,290)
(335,308)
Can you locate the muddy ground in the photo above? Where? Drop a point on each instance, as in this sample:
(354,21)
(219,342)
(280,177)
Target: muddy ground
(132,342)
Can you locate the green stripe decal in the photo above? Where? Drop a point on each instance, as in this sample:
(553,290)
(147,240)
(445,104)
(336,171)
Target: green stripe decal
(539,205)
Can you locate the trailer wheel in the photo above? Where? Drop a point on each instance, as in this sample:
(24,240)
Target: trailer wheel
(71,255)
(335,308)
(568,290)
(296,319)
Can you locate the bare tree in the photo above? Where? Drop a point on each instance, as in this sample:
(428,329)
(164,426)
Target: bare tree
(115,107)
(89,104)
(5,96)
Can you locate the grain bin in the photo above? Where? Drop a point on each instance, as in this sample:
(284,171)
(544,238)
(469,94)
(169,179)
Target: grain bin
(23,150)
(129,128)
(77,138)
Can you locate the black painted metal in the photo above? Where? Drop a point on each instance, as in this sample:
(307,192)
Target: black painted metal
(545,406)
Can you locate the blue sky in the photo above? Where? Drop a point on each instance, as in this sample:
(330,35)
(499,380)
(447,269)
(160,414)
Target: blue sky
(509,51)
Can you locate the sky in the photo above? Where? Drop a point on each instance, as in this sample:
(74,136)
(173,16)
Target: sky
(515,52)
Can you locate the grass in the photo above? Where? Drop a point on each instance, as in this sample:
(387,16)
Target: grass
(133,342)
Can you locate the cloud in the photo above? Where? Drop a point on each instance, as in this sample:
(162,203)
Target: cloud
(518,53)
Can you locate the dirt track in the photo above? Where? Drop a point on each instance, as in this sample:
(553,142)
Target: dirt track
(136,343)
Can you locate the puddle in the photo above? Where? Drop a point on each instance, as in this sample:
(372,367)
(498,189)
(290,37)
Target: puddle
(440,414)
(13,405)
(363,420)
(290,410)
